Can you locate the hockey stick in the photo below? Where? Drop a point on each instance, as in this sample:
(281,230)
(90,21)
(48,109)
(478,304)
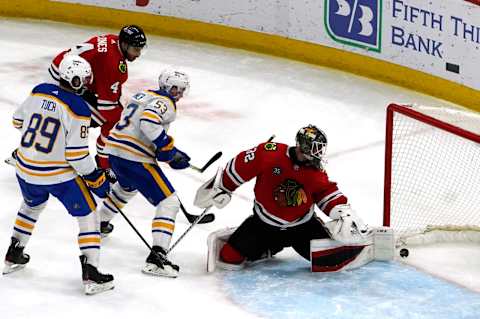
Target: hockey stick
(204,213)
(200,217)
(135,229)
(207,164)
(192,218)
(209,217)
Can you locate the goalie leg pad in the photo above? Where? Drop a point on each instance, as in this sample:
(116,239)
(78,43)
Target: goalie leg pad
(328,255)
(384,243)
(215,242)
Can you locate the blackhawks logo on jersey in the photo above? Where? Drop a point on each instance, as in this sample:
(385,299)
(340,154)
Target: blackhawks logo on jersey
(289,193)
(270,146)
(122,67)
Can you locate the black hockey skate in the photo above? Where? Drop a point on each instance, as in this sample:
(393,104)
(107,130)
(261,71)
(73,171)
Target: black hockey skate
(94,281)
(105,228)
(157,264)
(15,258)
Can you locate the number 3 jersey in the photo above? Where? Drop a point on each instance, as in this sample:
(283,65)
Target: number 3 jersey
(285,193)
(54,143)
(143,120)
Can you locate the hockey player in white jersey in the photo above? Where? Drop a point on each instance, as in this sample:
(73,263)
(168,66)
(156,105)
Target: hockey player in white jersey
(53,159)
(135,144)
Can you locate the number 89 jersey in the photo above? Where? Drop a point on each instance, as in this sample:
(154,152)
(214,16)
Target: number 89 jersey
(54,144)
(143,120)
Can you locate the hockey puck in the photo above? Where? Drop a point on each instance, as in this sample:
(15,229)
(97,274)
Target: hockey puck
(404,252)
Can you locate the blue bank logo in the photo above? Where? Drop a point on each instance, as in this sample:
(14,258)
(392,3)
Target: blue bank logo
(355,22)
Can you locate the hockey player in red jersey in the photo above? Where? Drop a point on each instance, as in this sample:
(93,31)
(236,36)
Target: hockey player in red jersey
(290,181)
(108,55)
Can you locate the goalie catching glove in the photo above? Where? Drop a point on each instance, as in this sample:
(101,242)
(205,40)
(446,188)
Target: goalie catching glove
(211,193)
(346,226)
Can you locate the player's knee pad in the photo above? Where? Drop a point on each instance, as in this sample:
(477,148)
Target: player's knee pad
(89,222)
(32,212)
(168,207)
(122,192)
(328,255)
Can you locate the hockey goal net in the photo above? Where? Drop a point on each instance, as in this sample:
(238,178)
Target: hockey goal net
(432,174)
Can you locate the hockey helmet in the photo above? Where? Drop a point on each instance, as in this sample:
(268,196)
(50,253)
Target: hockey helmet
(133,35)
(76,71)
(170,78)
(312,142)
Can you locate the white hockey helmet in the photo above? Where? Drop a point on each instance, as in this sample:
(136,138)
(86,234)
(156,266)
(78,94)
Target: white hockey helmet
(76,71)
(170,78)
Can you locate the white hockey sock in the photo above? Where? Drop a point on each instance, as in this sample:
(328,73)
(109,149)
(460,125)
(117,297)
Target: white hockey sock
(163,224)
(25,223)
(120,197)
(89,238)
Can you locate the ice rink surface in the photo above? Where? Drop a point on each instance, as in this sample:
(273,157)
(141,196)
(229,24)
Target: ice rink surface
(237,100)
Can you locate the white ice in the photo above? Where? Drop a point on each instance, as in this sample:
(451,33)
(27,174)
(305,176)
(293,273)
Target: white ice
(237,100)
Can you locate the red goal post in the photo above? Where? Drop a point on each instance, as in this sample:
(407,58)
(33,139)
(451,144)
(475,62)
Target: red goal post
(432,171)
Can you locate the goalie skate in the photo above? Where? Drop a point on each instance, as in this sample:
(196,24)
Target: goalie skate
(157,264)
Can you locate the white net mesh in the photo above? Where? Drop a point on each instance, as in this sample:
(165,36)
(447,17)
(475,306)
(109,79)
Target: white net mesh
(435,175)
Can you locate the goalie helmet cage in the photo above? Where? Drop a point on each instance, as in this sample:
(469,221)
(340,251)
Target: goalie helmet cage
(432,172)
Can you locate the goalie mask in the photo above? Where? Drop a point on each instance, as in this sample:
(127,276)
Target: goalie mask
(312,143)
(175,83)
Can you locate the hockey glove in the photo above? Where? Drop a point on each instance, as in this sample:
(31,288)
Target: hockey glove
(346,226)
(180,160)
(212,193)
(166,151)
(97,182)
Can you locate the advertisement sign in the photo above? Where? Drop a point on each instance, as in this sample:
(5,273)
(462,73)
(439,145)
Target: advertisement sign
(355,22)
(441,38)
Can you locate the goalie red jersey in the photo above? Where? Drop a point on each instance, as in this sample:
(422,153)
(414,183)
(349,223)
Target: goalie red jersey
(285,193)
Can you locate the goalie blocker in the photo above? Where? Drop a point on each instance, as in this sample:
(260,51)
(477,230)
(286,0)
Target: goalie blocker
(326,255)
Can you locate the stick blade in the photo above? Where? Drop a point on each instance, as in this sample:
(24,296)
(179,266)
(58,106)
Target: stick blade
(208,218)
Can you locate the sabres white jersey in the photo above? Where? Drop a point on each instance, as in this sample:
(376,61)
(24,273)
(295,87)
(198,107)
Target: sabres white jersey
(54,144)
(143,120)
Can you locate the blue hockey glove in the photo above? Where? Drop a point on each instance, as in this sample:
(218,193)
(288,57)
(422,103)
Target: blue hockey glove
(165,149)
(97,182)
(167,155)
(180,160)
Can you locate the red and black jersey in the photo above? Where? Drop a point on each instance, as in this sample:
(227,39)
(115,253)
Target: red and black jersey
(285,193)
(109,68)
